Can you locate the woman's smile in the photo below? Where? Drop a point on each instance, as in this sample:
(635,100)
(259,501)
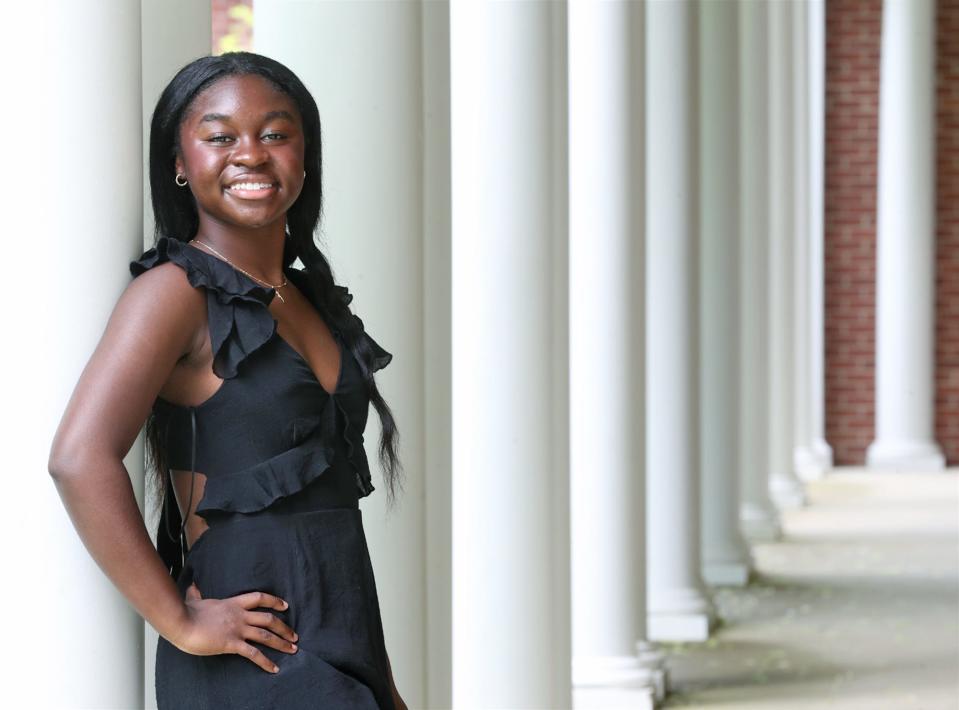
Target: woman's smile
(252,190)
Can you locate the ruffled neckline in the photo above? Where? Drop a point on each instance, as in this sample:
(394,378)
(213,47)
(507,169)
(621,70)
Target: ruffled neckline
(238,306)
(226,276)
(240,323)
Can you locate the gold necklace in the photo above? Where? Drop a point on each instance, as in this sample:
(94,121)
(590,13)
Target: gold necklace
(265,283)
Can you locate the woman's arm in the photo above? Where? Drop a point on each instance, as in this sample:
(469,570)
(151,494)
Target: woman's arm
(153,324)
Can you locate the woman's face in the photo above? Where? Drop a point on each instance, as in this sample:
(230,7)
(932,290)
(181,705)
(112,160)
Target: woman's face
(241,149)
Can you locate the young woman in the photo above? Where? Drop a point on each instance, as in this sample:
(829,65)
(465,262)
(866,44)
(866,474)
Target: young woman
(254,380)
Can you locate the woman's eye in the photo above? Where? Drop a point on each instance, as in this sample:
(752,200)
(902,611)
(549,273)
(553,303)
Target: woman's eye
(223,139)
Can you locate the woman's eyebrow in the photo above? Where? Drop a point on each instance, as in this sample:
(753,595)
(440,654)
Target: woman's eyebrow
(268,116)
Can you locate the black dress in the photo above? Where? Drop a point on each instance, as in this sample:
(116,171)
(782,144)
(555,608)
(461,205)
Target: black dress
(285,468)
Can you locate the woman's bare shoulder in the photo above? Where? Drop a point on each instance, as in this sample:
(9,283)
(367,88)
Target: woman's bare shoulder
(163,298)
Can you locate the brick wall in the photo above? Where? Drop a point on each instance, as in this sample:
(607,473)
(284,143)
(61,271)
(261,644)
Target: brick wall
(852,108)
(852,103)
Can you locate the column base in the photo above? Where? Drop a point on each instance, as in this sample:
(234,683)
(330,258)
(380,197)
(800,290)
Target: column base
(759,524)
(905,456)
(612,672)
(823,453)
(607,698)
(680,627)
(812,462)
(596,680)
(653,659)
(688,615)
(786,491)
(726,574)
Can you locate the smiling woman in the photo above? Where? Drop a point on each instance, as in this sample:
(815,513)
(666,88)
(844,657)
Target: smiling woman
(255,409)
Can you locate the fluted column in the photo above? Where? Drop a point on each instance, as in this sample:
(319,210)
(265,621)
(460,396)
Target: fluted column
(608,528)
(801,395)
(511,543)
(725,557)
(785,488)
(812,455)
(821,458)
(373,154)
(72,204)
(906,278)
(678,606)
(758,516)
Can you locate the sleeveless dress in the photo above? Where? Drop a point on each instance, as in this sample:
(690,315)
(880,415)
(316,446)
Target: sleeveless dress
(285,468)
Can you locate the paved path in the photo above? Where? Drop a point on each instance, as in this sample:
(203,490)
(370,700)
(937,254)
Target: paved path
(856,608)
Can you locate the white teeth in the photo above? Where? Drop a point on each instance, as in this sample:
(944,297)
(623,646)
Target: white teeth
(251,186)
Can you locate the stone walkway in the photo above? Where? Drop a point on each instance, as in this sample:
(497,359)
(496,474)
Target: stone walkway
(856,608)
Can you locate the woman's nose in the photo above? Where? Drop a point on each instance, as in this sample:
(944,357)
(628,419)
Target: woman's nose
(250,151)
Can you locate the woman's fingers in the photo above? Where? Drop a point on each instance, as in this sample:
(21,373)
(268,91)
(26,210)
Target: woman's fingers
(254,654)
(265,628)
(251,600)
(268,638)
(269,621)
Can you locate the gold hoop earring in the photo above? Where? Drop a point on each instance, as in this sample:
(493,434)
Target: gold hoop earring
(177,180)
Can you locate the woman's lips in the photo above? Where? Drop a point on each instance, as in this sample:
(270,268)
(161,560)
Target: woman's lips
(246,191)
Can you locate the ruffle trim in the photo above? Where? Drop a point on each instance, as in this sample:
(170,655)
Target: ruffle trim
(238,312)
(356,454)
(260,486)
(381,358)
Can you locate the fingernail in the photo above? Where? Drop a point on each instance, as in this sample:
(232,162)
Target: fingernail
(276,669)
(286,604)
(293,645)
(296,636)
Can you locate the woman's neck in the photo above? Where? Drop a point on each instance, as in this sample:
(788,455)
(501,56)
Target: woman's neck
(258,250)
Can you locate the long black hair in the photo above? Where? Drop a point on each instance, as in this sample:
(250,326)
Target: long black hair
(176,216)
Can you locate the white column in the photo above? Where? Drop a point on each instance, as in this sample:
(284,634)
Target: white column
(174,33)
(511,543)
(437,355)
(725,557)
(906,277)
(801,395)
(678,606)
(372,110)
(785,488)
(821,459)
(72,106)
(758,516)
(608,528)
(812,456)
